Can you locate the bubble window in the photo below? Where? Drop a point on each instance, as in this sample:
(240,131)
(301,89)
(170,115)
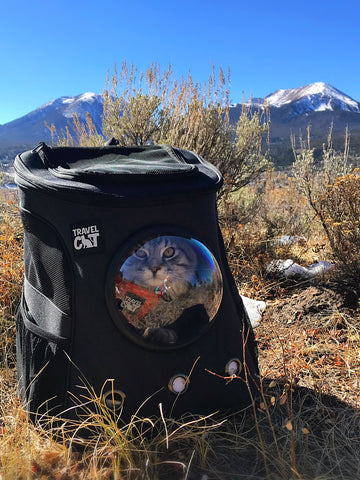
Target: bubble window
(165,290)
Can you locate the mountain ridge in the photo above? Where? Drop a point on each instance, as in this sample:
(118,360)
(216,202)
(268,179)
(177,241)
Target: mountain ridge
(31,127)
(320,96)
(291,110)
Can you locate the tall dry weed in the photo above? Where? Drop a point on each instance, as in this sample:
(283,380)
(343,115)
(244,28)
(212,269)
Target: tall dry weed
(11,274)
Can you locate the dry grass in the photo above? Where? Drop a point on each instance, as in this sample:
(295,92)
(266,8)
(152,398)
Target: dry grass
(304,423)
(322,356)
(11,274)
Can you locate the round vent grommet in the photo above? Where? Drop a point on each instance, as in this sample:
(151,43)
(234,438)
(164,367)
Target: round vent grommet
(233,367)
(178,384)
(114,400)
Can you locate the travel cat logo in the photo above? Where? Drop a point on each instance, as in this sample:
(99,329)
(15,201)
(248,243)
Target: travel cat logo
(132,303)
(86,238)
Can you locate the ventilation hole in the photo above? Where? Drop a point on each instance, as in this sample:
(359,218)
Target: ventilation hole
(178,384)
(114,400)
(233,367)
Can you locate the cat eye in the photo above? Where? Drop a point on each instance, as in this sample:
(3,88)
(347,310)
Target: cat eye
(141,253)
(169,252)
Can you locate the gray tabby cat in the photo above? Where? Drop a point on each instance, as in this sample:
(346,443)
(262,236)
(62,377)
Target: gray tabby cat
(168,262)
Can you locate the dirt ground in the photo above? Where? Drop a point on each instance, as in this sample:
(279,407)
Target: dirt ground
(311,337)
(311,304)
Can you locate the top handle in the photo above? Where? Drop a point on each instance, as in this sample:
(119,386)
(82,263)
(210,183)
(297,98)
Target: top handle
(112,141)
(44,152)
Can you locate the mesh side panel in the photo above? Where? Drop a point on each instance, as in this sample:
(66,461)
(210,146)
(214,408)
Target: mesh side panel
(47,267)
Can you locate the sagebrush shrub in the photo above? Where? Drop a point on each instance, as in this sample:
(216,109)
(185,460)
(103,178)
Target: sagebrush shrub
(284,209)
(332,191)
(154,107)
(339,209)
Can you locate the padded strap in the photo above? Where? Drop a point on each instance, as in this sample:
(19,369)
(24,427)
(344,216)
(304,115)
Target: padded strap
(48,316)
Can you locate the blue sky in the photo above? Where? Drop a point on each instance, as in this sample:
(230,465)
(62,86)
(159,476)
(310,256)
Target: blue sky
(51,48)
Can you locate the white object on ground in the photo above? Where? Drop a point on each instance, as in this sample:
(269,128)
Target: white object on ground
(289,240)
(288,268)
(254,309)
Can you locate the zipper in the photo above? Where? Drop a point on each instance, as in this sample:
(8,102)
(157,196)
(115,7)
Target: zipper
(29,180)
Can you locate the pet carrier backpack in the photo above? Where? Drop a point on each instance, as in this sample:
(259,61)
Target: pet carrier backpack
(127,292)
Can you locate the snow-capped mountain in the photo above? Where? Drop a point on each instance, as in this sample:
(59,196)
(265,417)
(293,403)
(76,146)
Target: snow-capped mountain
(32,127)
(86,102)
(317,97)
(319,105)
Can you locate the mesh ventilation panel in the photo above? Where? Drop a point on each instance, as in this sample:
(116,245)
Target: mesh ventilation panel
(47,267)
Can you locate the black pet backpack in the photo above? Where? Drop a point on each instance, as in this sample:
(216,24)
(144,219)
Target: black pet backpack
(127,294)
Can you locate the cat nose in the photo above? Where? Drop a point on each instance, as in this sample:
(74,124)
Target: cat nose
(155,269)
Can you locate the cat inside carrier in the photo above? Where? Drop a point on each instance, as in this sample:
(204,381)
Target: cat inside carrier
(127,289)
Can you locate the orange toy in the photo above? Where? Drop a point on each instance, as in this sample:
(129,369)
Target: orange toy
(136,301)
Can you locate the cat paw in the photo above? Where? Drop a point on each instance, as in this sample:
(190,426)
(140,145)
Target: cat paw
(161,336)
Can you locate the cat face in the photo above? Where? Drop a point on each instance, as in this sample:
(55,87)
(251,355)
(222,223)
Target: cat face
(164,259)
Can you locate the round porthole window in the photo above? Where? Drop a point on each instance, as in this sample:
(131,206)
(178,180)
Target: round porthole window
(164,291)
